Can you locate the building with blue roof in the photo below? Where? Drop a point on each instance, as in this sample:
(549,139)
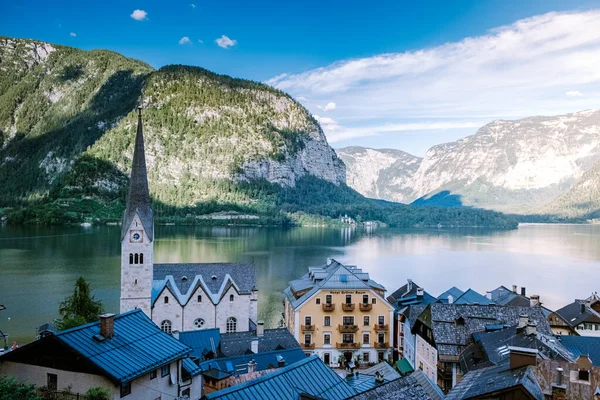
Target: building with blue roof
(472,297)
(450,295)
(127,354)
(583,345)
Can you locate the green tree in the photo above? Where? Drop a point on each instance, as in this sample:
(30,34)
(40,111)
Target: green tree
(10,389)
(97,393)
(80,308)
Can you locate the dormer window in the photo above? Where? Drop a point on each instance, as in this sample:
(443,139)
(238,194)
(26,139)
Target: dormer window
(214,277)
(184,278)
(460,321)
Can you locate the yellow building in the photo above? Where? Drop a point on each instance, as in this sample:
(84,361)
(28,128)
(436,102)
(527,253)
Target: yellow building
(339,313)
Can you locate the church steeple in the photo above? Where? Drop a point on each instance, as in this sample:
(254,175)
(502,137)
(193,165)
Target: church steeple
(138,199)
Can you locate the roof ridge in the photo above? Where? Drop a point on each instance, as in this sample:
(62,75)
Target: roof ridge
(87,325)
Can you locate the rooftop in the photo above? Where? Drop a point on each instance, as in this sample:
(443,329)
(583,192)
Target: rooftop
(583,345)
(412,387)
(238,343)
(472,297)
(453,291)
(578,312)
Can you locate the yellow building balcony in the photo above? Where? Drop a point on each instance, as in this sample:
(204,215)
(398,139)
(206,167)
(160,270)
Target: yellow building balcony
(366,307)
(382,345)
(348,306)
(347,345)
(347,328)
(328,307)
(308,328)
(381,327)
(308,346)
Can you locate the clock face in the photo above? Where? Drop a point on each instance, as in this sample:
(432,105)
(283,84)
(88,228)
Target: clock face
(136,236)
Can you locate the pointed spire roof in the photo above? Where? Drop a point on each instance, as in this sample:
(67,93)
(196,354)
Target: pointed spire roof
(138,199)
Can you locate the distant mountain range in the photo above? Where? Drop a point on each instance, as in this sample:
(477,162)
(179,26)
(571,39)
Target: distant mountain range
(535,165)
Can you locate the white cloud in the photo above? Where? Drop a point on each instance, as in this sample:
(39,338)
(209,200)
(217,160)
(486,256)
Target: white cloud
(328,124)
(72,34)
(301,98)
(184,40)
(521,69)
(574,93)
(225,42)
(328,107)
(139,15)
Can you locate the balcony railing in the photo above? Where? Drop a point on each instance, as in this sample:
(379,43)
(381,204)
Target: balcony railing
(348,306)
(381,327)
(347,328)
(328,306)
(308,328)
(308,346)
(381,345)
(347,345)
(366,307)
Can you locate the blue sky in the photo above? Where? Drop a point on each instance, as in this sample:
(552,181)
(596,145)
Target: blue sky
(319,44)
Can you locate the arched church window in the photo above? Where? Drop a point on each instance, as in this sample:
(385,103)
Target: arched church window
(230,297)
(166,326)
(136,258)
(199,323)
(231,324)
(141,258)
(166,299)
(199,299)
(130,258)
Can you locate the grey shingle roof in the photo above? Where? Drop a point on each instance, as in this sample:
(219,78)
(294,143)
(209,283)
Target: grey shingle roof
(238,343)
(412,387)
(238,365)
(573,315)
(138,199)
(215,279)
(385,369)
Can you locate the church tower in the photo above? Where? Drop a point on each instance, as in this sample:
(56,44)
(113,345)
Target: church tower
(137,234)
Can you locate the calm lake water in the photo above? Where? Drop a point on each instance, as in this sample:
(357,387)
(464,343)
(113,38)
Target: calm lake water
(39,265)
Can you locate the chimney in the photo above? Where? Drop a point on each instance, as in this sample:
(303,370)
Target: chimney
(523,292)
(514,288)
(329,261)
(450,299)
(251,366)
(260,328)
(523,321)
(254,345)
(531,329)
(107,325)
(559,389)
(534,300)
(409,286)
(488,294)
(522,356)
(379,377)
(419,292)
(280,362)
(582,308)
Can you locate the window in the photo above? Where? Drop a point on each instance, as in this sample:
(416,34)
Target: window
(231,324)
(584,375)
(366,320)
(186,393)
(166,299)
(381,320)
(366,338)
(348,299)
(199,323)
(348,338)
(328,299)
(130,258)
(421,365)
(307,321)
(381,338)
(365,299)
(374,300)
(326,338)
(199,299)
(141,258)
(348,320)
(380,357)
(307,339)
(327,358)
(230,297)
(165,326)
(327,321)
(365,357)
(153,374)
(318,300)
(165,370)
(136,258)
(125,389)
(52,381)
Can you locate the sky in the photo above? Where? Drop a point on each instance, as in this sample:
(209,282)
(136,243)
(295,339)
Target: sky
(388,74)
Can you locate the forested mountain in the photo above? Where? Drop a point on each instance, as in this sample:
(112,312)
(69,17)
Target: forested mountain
(511,166)
(213,144)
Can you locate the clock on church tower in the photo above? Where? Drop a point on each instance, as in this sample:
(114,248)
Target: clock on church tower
(136,236)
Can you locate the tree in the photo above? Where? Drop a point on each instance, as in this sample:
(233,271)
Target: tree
(10,389)
(97,393)
(80,308)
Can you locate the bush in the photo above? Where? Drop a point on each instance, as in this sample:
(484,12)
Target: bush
(10,389)
(97,393)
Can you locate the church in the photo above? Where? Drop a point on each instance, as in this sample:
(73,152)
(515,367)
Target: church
(178,297)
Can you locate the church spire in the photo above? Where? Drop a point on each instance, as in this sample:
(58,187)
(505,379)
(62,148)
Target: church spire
(138,199)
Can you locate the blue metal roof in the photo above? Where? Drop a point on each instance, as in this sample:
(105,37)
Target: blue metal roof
(453,291)
(362,383)
(586,345)
(309,376)
(266,360)
(201,341)
(137,347)
(472,297)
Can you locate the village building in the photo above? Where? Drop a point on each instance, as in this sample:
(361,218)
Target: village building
(340,314)
(582,316)
(126,354)
(178,296)
(415,386)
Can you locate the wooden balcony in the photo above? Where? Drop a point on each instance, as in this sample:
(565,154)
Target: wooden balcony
(383,345)
(381,327)
(348,306)
(347,345)
(366,307)
(328,307)
(308,328)
(308,346)
(347,328)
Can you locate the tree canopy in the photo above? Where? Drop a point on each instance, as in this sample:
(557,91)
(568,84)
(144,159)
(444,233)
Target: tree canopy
(80,308)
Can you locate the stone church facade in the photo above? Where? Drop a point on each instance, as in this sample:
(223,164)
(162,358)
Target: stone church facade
(178,297)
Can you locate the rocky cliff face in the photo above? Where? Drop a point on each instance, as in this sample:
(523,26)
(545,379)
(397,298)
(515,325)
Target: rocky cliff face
(513,166)
(380,173)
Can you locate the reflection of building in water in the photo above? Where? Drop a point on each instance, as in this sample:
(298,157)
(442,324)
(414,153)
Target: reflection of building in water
(178,296)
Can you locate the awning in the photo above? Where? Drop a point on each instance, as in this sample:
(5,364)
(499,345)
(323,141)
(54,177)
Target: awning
(404,366)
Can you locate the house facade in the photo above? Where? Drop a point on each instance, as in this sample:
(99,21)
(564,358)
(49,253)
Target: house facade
(340,314)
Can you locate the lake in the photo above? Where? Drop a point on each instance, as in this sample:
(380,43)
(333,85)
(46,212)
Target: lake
(39,265)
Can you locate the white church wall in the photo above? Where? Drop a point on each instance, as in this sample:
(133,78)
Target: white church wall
(170,311)
(239,308)
(204,309)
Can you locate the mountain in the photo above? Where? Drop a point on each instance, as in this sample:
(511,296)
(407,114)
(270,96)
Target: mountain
(511,166)
(380,174)
(214,144)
